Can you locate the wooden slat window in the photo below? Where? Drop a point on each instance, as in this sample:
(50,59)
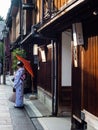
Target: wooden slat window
(55,4)
(59,3)
(49,7)
(38,10)
(62,2)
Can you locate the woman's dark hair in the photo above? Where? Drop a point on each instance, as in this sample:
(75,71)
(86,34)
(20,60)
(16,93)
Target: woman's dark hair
(19,63)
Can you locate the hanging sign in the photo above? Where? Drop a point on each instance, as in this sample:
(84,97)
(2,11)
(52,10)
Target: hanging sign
(77,34)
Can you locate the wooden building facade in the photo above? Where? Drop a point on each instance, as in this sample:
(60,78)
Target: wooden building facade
(66,35)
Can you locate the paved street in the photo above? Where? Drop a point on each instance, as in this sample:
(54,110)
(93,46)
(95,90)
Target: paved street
(12,118)
(5,119)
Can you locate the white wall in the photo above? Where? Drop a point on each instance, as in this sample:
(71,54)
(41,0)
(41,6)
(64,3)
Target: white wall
(66,59)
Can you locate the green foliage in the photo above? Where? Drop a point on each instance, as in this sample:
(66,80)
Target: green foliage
(21,53)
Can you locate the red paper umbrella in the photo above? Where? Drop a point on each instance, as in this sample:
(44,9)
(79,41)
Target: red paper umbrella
(27,65)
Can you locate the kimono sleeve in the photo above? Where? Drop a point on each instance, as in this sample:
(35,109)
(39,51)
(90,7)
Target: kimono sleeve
(17,78)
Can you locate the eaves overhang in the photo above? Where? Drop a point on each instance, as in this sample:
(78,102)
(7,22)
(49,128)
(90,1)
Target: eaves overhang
(36,37)
(15,44)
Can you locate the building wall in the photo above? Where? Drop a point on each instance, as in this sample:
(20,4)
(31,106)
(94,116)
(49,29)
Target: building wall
(17,22)
(49,8)
(44,72)
(90,69)
(13,30)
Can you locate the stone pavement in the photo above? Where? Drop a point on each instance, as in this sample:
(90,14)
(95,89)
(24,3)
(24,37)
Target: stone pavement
(36,110)
(5,118)
(12,118)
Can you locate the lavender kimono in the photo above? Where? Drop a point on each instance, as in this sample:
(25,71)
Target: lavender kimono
(18,85)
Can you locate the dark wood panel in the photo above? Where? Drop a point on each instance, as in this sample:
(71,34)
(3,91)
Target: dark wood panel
(65,101)
(44,73)
(66,96)
(76,91)
(90,71)
(96,74)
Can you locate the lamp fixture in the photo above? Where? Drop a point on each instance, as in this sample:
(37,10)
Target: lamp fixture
(35,49)
(95,12)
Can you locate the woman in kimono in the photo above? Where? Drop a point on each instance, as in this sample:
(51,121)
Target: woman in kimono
(18,85)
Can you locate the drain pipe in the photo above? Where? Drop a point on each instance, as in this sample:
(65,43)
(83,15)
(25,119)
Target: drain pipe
(21,19)
(54,80)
